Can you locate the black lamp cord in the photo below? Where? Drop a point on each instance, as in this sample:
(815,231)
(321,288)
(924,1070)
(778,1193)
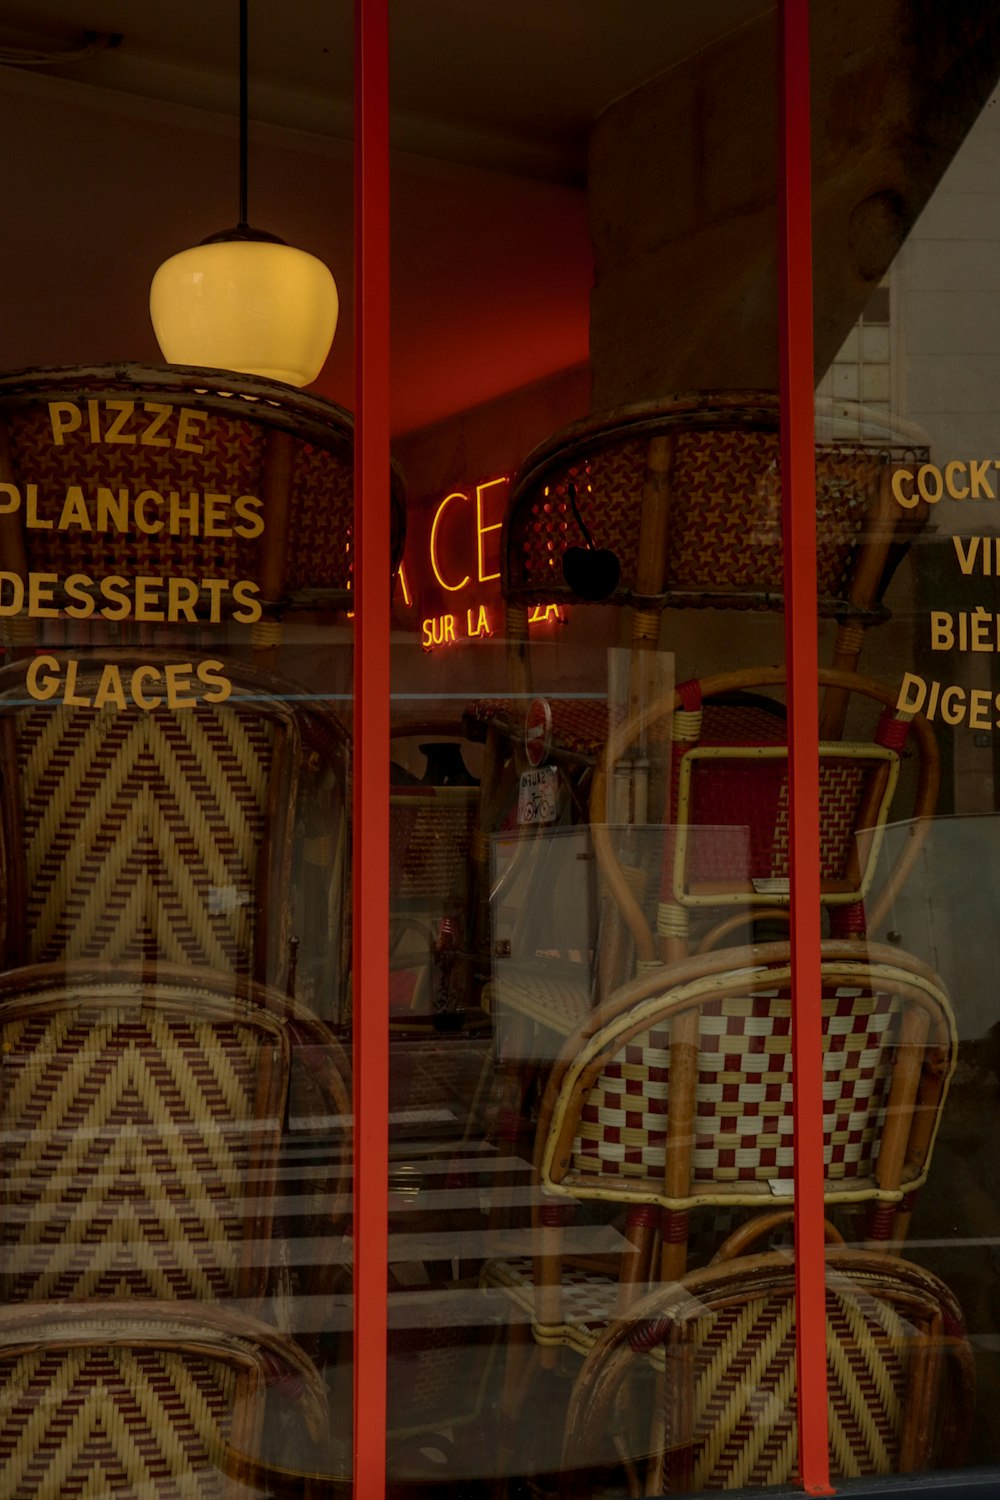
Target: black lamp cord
(571,492)
(243,113)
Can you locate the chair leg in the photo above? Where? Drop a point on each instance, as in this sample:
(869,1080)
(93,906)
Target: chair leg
(517,1377)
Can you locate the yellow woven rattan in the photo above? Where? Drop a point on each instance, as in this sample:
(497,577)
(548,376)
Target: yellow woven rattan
(157,1400)
(142,1121)
(170,835)
(722,1414)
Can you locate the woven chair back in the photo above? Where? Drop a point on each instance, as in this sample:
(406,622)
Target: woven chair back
(715,459)
(727,809)
(176,835)
(136,452)
(102,1401)
(430,831)
(626,1119)
(141,1124)
(900,1378)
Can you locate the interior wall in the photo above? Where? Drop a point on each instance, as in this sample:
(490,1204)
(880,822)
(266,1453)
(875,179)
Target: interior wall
(683,181)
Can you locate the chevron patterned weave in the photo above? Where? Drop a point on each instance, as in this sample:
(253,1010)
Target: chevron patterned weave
(900,1375)
(743,1411)
(81,1423)
(142,832)
(148,1402)
(138,1146)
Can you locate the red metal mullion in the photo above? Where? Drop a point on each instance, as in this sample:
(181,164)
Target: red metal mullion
(798,459)
(370,852)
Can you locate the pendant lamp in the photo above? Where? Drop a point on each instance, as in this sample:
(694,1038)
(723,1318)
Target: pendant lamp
(243,300)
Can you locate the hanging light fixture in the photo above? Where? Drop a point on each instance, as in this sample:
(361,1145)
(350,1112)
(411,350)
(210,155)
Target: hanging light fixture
(244,300)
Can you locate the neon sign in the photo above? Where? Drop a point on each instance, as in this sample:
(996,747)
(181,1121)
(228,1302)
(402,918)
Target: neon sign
(454,550)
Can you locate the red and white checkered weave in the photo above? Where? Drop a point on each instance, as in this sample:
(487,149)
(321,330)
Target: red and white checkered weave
(742,1126)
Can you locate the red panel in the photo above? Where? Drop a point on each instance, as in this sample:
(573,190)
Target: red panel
(371,745)
(802,658)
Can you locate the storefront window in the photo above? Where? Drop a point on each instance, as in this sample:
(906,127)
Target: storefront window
(595,1281)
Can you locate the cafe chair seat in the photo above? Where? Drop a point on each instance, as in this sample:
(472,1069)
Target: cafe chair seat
(589,1301)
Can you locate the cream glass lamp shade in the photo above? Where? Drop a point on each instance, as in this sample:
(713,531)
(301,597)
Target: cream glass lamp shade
(255,306)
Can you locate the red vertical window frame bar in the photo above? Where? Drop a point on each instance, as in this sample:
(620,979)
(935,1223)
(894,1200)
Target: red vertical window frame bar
(798,483)
(371,742)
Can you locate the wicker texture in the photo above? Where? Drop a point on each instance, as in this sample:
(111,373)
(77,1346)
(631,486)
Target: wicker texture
(141,1123)
(430,830)
(231,463)
(292,451)
(579,725)
(736,808)
(185,836)
(321,534)
(142,832)
(558,1001)
(743,1127)
(613,1099)
(589,1300)
(898,1365)
(617,1127)
(724,535)
(150,1404)
(743,793)
(110,1400)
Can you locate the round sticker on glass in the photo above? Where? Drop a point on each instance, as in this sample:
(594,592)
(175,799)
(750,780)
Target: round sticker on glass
(537,731)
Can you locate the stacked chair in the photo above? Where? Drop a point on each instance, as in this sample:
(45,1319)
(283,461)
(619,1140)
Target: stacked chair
(174,971)
(648,1400)
(145,1398)
(655,1072)
(685,492)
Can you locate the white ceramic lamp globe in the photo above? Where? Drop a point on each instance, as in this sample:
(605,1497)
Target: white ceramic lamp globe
(245,301)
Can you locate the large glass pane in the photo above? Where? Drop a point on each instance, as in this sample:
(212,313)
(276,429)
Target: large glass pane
(175,700)
(590,1063)
(906,358)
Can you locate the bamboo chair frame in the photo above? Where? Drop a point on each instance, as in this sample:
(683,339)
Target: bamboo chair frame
(872,812)
(558,1003)
(679,485)
(901,1378)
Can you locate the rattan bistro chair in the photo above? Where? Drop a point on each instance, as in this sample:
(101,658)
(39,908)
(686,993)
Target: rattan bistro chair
(725,844)
(286,456)
(685,492)
(729,847)
(901,1380)
(158,1400)
(673,1104)
(212,835)
(144,1112)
